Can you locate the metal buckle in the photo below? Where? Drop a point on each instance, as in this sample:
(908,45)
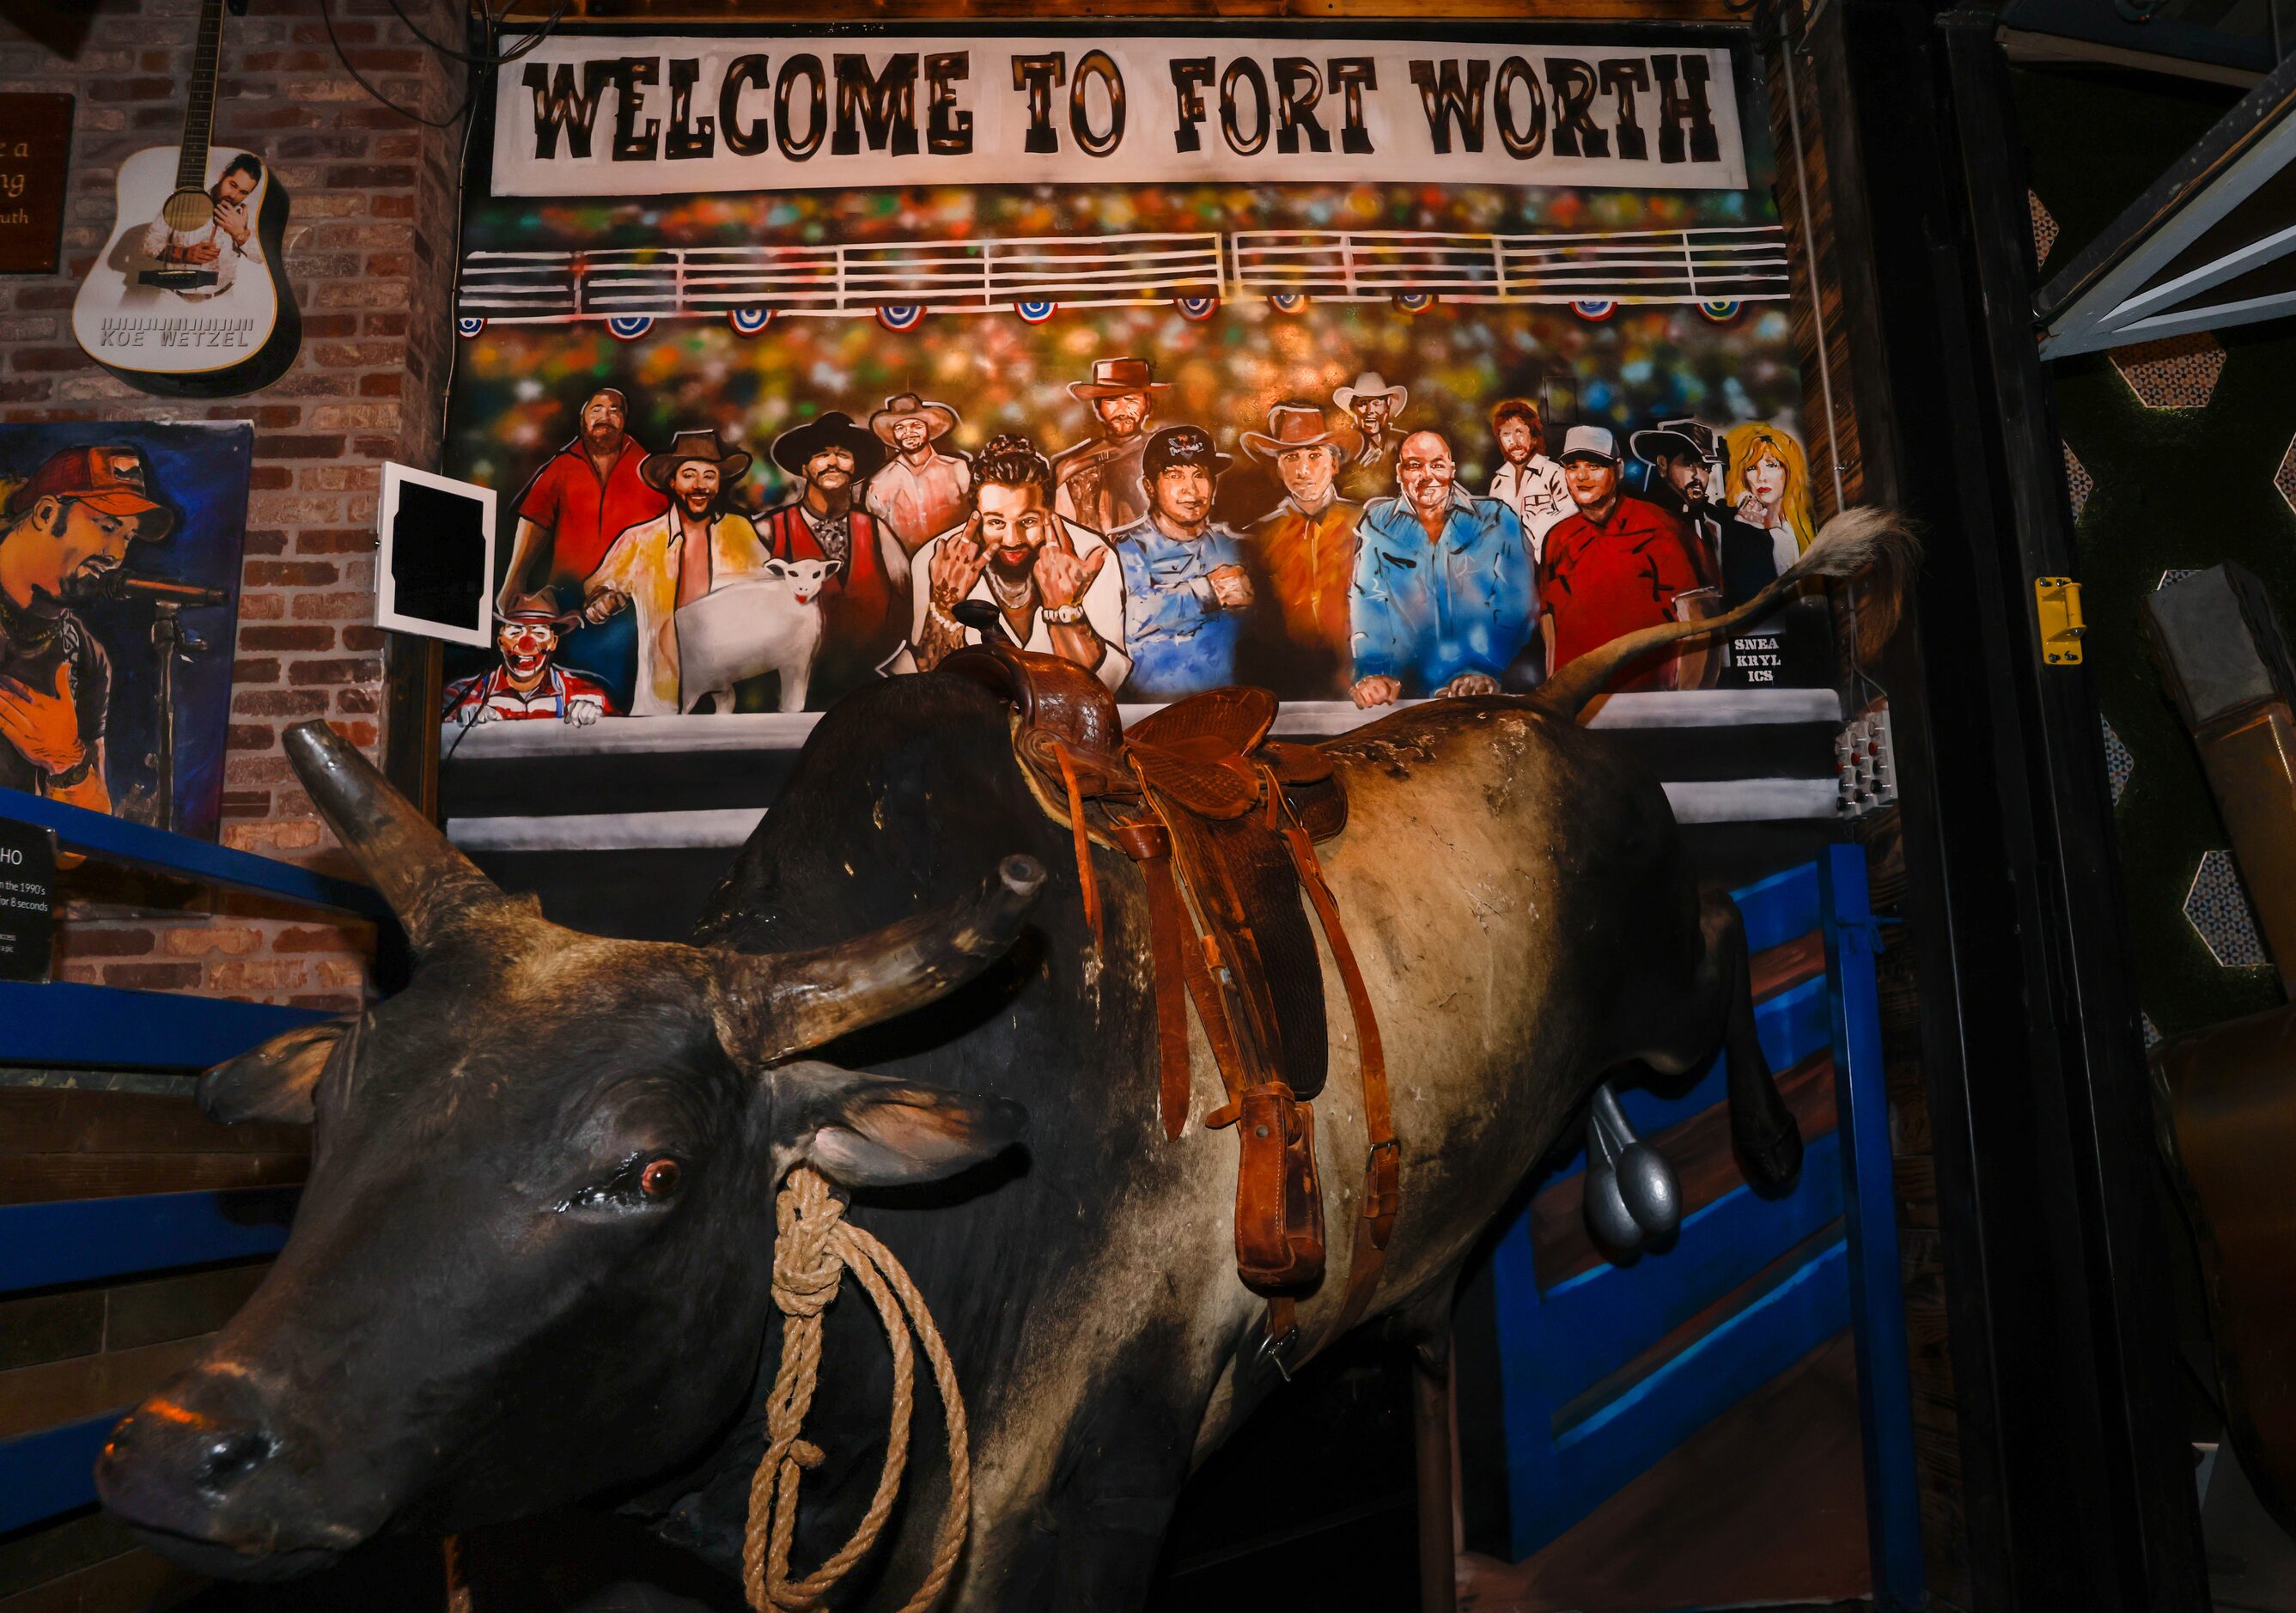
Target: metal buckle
(1271,1350)
(1383,1179)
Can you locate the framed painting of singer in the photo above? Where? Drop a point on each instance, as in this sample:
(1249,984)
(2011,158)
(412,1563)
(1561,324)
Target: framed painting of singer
(119,573)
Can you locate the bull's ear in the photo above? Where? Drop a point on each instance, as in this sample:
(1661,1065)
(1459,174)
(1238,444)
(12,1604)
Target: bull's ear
(874,1131)
(272,1082)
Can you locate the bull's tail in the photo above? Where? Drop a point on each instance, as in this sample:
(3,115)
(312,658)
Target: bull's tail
(1763,1131)
(1850,543)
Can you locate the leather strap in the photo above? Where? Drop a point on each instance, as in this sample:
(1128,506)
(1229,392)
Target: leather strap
(1227,1052)
(1149,844)
(1382,1190)
(1085,876)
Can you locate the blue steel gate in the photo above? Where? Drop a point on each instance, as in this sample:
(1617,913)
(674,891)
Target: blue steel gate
(46,1472)
(1606,1368)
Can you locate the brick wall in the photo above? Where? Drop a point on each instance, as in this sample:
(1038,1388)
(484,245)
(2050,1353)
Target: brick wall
(369,250)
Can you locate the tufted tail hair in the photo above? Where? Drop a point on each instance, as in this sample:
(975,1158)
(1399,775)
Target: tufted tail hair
(1853,541)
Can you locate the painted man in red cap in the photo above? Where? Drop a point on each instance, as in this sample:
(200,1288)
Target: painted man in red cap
(701,543)
(66,529)
(1098,480)
(863,601)
(1305,548)
(587,494)
(529,686)
(921,492)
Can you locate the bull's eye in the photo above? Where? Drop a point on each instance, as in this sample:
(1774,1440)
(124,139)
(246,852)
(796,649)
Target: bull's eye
(658,1180)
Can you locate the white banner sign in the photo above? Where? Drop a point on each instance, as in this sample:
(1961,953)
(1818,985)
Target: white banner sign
(619,117)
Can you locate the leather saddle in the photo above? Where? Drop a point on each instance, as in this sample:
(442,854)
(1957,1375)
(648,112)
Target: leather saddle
(1222,821)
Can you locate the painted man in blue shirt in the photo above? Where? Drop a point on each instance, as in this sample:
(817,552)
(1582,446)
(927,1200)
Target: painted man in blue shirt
(1184,586)
(1443,597)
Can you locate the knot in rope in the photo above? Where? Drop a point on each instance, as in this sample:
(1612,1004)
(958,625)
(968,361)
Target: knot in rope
(815,1245)
(807,1218)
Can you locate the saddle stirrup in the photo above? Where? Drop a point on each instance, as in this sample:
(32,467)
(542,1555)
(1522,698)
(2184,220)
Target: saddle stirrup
(1632,1193)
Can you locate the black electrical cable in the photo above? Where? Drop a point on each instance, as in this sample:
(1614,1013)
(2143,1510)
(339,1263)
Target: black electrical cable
(494,22)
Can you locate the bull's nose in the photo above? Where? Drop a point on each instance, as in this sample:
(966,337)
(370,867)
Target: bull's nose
(170,1465)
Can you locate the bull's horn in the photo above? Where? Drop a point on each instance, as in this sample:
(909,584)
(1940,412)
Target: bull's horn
(427,882)
(792,1001)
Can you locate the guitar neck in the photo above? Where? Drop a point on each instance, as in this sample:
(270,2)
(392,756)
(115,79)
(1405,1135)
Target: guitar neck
(199,113)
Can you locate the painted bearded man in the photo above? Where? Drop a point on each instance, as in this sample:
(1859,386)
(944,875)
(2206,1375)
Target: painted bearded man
(66,529)
(698,545)
(1049,578)
(585,496)
(921,492)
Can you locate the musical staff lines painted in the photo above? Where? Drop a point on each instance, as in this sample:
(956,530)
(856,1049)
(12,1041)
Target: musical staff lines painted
(1715,266)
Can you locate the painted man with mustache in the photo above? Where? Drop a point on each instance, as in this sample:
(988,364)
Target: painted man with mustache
(66,529)
(832,458)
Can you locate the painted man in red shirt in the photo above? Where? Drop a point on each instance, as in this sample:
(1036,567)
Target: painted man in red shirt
(577,504)
(1618,564)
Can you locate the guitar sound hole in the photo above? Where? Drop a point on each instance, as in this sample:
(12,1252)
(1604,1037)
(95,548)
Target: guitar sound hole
(187,210)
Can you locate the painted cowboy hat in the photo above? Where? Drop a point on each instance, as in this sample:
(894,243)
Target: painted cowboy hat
(1182,445)
(539,609)
(655,470)
(1370,383)
(1292,425)
(1677,439)
(938,417)
(1114,377)
(835,429)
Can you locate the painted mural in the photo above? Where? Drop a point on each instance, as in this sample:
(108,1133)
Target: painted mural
(120,565)
(1367,369)
(1368,366)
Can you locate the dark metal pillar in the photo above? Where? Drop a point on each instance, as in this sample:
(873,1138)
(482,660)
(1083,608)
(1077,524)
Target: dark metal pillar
(2076,1492)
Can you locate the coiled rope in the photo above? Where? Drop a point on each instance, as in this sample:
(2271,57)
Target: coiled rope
(815,1246)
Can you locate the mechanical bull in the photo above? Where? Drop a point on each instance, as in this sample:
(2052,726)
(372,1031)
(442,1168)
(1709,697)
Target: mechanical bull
(531,1265)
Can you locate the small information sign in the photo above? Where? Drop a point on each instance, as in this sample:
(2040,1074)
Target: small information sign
(35,158)
(27,887)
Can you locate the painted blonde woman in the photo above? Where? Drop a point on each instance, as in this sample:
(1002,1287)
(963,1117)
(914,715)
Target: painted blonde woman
(1769,486)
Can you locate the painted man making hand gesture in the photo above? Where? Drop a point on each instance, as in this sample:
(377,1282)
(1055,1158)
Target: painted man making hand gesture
(1048,578)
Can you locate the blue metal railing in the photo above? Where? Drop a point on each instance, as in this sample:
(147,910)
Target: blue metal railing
(47,1472)
(73,1025)
(117,841)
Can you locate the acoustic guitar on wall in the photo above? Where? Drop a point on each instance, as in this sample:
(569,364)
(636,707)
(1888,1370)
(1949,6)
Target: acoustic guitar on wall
(187,298)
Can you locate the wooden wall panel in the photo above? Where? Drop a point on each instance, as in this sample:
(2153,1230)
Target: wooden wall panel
(72,1352)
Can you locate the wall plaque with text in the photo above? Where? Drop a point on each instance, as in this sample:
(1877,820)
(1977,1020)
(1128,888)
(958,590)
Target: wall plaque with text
(27,896)
(34,159)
